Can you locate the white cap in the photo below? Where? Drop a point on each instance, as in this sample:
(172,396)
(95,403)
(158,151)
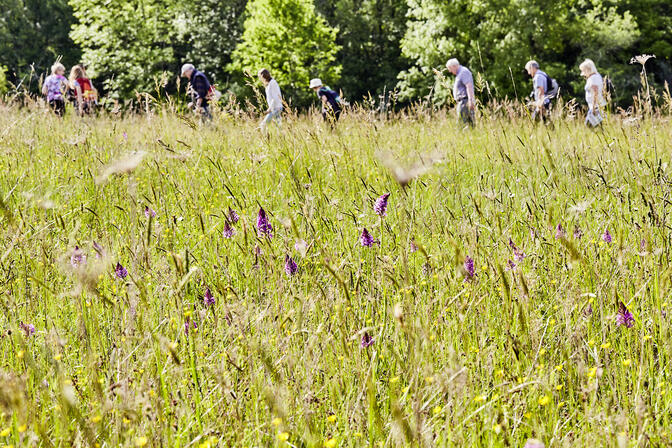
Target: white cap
(316,82)
(187,67)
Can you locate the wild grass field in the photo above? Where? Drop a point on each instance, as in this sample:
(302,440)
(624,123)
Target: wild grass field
(139,310)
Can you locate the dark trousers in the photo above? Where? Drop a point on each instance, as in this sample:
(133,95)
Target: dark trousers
(58,106)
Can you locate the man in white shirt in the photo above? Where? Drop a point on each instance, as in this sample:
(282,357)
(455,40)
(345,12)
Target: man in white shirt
(273,98)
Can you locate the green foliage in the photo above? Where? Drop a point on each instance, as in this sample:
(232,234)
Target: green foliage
(4,86)
(290,39)
(496,38)
(33,34)
(369,36)
(212,30)
(127,43)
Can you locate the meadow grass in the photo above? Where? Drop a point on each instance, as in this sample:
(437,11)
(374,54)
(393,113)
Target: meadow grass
(514,352)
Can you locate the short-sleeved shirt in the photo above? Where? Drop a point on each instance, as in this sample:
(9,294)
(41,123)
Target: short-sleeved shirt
(55,85)
(462,78)
(331,98)
(595,80)
(540,80)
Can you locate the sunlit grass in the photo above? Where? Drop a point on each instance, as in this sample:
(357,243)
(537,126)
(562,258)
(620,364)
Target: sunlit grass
(516,352)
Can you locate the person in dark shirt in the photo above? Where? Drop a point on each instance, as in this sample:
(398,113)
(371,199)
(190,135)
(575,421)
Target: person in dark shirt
(199,88)
(331,105)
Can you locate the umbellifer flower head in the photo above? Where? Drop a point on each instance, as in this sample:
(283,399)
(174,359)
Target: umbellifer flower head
(624,316)
(120,271)
(263,225)
(290,266)
(366,239)
(208,299)
(380,207)
(367,340)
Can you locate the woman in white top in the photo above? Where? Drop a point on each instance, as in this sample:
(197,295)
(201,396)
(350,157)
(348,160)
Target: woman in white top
(594,92)
(273,98)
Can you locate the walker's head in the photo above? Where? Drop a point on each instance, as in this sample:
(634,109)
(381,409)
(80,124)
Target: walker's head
(531,67)
(187,70)
(453,65)
(315,84)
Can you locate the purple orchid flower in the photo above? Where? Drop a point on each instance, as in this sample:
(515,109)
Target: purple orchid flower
(232,216)
(578,233)
(149,212)
(189,324)
(366,239)
(624,316)
(380,207)
(469,269)
(559,232)
(414,247)
(120,271)
(367,340)
(208,299)
(606,236)
(263,225)
(28,329)
(100,252)
(291,267)
(78,258)
(228,231)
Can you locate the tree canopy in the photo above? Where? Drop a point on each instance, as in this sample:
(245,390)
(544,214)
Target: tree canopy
(362,47)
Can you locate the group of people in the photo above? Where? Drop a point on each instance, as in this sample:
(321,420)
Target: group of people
(544,90)
(78,90)
(202,92)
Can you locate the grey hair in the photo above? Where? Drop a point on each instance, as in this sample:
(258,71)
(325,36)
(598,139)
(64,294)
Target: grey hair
(531,64)
(452,63)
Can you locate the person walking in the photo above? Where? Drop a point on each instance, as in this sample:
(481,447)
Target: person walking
(199,88)
(54,88)
(594,92)
(84,94)
(544,90)
(463,91)
(273,98)
(331,105)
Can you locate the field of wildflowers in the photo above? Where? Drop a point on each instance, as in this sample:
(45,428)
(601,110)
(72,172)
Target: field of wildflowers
(388,283)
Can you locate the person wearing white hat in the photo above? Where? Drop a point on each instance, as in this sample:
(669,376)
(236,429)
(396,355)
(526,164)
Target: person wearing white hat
(331,104)
(463,91)
(199,88)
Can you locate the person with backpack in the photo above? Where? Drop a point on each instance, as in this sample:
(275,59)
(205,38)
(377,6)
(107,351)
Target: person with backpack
(200,90)
(54,88)
(545,90)
(594,92)
(273,98)
(331,103)
(83,92)
(463,92)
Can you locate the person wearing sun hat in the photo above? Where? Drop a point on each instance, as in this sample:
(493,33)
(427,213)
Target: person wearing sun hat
(331,104)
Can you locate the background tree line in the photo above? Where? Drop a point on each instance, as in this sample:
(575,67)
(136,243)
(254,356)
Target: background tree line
(364,47)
